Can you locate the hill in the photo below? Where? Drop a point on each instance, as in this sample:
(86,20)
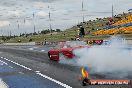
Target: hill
(91,27)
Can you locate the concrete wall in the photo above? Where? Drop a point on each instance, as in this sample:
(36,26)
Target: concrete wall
(30,43)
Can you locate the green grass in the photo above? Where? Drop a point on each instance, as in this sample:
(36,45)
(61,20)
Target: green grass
(70,33)
(61,37)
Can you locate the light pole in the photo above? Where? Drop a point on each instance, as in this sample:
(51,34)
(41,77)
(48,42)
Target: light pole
(50,26)
(112,11)
(10,30)
(83,11)
(24,25)
(18,26)
(34,27)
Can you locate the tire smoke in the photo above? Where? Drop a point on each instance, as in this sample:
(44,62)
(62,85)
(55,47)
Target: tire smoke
(116,57)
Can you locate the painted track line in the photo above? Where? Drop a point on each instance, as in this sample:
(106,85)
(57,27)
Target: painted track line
(3,62)
(40,74)
(3,84)
(51,79)
(17,64)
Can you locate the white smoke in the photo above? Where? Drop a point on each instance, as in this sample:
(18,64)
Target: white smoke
(115,57)
(70,44)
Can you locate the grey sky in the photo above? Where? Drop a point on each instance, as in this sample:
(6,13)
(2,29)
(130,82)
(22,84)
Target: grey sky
(64,13)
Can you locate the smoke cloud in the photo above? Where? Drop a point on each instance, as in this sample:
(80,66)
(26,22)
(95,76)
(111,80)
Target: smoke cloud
(115,57)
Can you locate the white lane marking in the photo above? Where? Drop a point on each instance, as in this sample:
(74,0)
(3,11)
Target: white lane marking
(51,79)
(10,66)
(18,64)
(3,84)
(38,73)
(3,62)
(42,50)
(20,72)
(31,49)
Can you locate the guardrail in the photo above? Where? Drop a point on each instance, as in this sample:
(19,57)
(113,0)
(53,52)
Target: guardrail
(30,43)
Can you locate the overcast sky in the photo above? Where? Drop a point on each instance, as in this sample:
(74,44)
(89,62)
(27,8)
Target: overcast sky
(64,13)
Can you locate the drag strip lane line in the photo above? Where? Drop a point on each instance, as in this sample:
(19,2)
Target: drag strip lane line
(51,79)
(17,64)
(3,84)
(40,74)
(10,66)
(3,62)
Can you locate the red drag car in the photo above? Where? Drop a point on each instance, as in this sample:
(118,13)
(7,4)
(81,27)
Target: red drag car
(66,50)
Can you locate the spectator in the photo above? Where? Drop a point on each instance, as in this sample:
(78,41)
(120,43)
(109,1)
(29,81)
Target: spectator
(81,32)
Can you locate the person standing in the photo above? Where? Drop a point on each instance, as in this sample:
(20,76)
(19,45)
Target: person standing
(82,32)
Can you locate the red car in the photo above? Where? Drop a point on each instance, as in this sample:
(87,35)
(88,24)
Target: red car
(54,54)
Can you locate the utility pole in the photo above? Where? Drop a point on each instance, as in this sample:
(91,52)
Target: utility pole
(50,26)
(25,25)
(112,11)
(18,25)
(34,28)
(83,11)
(10,33)
(9,30)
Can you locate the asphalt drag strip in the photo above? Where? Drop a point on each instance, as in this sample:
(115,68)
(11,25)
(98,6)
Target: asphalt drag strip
(21,76)
(37,66)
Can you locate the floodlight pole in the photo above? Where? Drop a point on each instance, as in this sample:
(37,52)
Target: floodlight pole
(10,30)
(34,28)
(18,26)
(112,11)
(83,11)
(50,27)
(25,25)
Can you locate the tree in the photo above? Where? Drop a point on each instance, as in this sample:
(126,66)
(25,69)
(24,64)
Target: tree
(3,38)
(93,29)
(34,33)
(58,30)
(52,30)
(30,40)
(45,31)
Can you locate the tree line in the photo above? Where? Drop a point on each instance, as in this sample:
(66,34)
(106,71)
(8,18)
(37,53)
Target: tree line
(6,38)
